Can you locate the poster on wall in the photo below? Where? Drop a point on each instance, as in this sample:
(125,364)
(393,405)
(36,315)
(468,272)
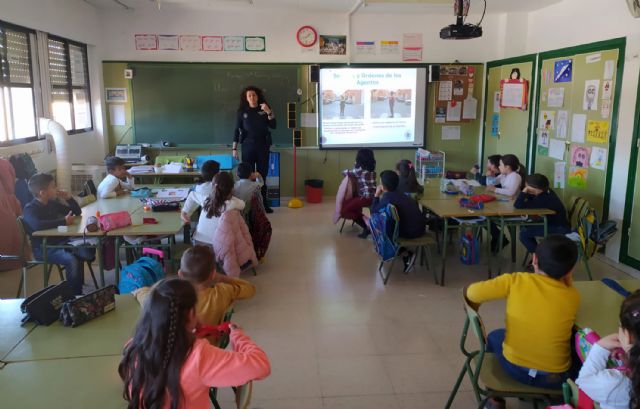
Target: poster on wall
(190,43)
(146,42)
(365,47)
(547,120)
(412,47)
(590,100)
(233,43)
(333,45)
(559,175)
(212,43)
(598,131)
(580,156)
(563,71)
(514,93)
(543,142)
(555,98)
(598,159)
(168,42)
(495,125)
(255,43)
(578,177)
(389,47)
(116,94)
(561,124)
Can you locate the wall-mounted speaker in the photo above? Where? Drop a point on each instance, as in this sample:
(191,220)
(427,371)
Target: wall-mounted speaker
(434,73)
(314,73)
(291,115)
(297,138)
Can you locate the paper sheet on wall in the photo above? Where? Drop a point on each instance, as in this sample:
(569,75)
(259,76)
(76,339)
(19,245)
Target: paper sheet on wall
(607,89)
(578,177)
(441,115)
(559,175)
(365,47)
(598,131)
(556,149)
(609,66)
(116,115)
(309,120)
(591,58)
(469,108)
(543,142)
(445,91)
(190,43)
(496,102)
(450,133)
(561,124)
(555,98)
(547,120)
(168,42)
(579,156)
(389,47)
(512,95)
(578,125)
(605,109)
(454,110)
(590,100)
(598,159)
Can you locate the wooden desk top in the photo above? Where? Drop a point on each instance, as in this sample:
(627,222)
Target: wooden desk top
(105,335)
(11,333)
(159,174)
(451,208)
(63,383)
(599,307)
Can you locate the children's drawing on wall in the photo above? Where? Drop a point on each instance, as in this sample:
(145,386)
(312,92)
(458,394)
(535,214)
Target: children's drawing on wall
(607,89)
(543,142)
(515,74)
(563,71)
(559,175)
(580,155)
(514,91)
(598,159)
(547,120)
(590,100)
(561,124)
(605,110)
(578,177)
(495,125)
(555,97)
(597,131)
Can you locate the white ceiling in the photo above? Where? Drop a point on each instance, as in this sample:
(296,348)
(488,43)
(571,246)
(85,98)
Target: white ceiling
(371,6)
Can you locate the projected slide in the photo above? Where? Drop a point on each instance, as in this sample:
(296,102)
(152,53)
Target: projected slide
(373,107)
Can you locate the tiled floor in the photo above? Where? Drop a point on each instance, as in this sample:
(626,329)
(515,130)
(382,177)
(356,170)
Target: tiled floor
(337,337)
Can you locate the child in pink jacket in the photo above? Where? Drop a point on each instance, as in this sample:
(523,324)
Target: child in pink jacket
(164,365)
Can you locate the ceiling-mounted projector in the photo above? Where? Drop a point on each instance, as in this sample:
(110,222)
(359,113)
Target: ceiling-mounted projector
(460,30)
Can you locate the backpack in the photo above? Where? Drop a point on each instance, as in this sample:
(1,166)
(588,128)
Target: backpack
(585,338)
(143,273)
(593,233)
(259,226)
(384,230)
(469,249)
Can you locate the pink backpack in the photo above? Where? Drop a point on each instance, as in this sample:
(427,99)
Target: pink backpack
(112,221)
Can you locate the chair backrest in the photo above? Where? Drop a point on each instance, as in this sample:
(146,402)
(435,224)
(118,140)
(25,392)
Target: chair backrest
(90,187)
(243,395)
(385,242)
(474,321)
(223,341)
(579,206)
(25,244)
(571,394)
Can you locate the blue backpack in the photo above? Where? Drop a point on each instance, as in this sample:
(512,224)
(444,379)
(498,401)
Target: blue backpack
(384,230)
(143,273)
(469,249)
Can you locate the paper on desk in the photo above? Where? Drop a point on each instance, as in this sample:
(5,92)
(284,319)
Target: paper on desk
(179,193)
(173,167)
(460,182)
(141,169)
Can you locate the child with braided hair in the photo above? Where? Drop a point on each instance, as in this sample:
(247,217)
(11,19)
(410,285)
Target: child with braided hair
(165,366)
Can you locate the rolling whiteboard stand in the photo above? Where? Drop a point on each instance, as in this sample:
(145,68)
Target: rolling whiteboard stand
(295,203)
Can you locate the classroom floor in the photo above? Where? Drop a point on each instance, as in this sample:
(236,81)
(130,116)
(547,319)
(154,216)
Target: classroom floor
(336,336)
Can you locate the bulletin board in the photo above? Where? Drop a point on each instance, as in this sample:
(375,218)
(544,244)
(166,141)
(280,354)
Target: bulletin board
(506,130)
(576,120)
(454,101)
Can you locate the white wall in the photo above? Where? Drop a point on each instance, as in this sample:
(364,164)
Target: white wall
(75,20)
(575,22)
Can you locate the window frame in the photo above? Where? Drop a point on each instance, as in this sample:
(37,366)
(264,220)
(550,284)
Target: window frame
(70,87)
(29,32)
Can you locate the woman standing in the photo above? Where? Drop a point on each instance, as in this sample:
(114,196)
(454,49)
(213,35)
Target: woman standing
(252,130)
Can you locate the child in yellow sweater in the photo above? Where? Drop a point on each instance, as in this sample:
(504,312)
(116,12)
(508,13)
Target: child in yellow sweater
(216,292)
(541,309)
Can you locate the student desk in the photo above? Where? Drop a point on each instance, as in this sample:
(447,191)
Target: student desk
(599,307)
(91,382)
(496,211)
(105,335)
(11,333)
(158,176)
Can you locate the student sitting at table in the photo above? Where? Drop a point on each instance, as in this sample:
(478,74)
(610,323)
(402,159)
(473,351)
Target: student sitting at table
(364,171)
(541,308)
(408,181)
(196,198)
(117,182)
(614,388)
(49,209)
(165,366)
(412,222)
(248,183)
(216,292)
(222,226)
(537,195)
(493,170)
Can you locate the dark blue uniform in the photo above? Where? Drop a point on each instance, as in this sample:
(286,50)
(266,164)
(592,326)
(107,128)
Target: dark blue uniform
(252,131)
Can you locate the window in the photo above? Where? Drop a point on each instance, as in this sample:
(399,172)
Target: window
(68,73)
(17,104)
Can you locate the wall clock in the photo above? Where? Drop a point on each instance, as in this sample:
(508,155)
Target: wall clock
(307,36)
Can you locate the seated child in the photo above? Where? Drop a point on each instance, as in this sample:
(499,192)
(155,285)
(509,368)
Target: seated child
(614,388)
(222,226)
(493,170)
(412,222)
(364,171)
(540,312)
(165,366)
(537,195)
(408,181)
(249,183)
(197,197)
(47,211)
(510,178)
(216,292)
(117,182)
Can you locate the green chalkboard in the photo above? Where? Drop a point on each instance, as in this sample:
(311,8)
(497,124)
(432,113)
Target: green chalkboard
(196,103)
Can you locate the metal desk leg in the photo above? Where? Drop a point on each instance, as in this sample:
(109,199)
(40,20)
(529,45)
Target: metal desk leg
(44,262)
(172,242)
(117,256)
(544,222)
(512,236)
(500,242)
(444,249)
(488,241)
(100,260)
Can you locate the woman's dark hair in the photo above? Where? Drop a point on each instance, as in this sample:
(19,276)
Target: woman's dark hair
(214,205)
(630,321)
(514,163)
(495,160)
(366,160)
(152,361)
(244,104)
(538,181)
(408,173)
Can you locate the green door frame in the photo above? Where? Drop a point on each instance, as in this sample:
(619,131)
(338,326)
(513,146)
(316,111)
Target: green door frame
(628,203)
(615,43)
(499,63)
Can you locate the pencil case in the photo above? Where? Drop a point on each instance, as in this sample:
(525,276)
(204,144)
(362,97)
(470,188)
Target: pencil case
(77,312)
(470,204)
